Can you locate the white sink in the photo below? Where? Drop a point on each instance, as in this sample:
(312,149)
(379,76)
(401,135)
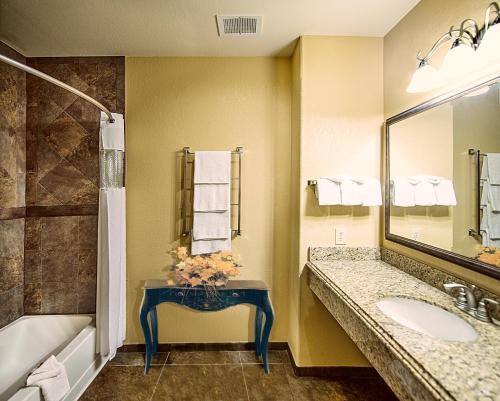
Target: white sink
(427,319)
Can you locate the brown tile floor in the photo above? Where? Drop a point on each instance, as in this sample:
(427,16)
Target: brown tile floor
(222,376)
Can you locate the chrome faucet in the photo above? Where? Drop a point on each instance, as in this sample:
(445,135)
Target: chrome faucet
(467,302)
(466,299)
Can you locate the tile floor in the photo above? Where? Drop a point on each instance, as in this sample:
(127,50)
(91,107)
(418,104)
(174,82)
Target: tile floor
(222,376)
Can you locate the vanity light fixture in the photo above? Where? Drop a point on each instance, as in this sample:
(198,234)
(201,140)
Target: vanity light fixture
(473,51)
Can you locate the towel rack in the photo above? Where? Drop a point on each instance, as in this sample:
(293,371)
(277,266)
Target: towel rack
(312,183)
(476,232)
(185,188)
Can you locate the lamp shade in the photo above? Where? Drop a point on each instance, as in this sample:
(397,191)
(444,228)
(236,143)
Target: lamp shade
(425,78)
(458,62)
(489,49)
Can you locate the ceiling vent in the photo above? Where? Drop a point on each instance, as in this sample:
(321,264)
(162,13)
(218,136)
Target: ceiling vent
(232,25)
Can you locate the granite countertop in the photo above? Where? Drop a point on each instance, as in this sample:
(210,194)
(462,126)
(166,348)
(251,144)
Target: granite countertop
(456,370)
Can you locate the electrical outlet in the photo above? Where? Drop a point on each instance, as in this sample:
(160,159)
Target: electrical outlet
(340,236)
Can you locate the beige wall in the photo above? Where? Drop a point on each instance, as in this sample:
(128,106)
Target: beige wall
(417,31)
(341,112)
(208,104)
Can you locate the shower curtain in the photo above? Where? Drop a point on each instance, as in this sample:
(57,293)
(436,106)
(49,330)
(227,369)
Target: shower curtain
(110,302)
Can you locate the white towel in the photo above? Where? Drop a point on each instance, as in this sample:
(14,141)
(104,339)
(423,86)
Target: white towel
(492,162)
(212,167)
(211,225)
(350,191)
(211,197)
(210,246)
(52,379)
(491,221)
(327,192)
(424,191)
(403,192)
(445,194)
(371,193)
(490,196)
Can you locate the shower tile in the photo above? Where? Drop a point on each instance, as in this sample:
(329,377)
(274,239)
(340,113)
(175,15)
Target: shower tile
(86,158)
(11,305)
(59,298)
(271,387)
(59,232)
(11,272)
(31,186)
(33,298)
(87,232)
(47,158)
(59,264)
(32,266)
(64,135)
(87,265)
(86,297)
(32,235)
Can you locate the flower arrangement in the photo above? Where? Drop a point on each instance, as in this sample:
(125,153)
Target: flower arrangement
(212,270)
(490,255)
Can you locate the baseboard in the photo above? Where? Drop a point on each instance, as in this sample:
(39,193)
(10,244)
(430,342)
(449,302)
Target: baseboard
(301,371)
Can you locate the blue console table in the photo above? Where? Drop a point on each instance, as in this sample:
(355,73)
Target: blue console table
(236,292)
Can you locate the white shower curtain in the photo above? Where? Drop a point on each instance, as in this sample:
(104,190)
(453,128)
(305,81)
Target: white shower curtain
(111,251)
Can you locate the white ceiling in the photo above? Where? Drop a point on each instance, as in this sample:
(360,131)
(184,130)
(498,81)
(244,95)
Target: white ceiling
(184,27)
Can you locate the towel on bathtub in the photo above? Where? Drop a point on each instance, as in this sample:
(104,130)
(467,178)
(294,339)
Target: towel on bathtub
(52,379)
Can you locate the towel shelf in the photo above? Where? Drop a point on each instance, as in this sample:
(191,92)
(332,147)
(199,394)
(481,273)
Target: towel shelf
(477,232)
(187,192)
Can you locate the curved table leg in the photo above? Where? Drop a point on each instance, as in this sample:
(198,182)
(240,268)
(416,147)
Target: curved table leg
(146,330)
(269,312)
(154,329)
(258,330)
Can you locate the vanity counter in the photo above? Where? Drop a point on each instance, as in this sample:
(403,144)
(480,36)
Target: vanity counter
(415,365)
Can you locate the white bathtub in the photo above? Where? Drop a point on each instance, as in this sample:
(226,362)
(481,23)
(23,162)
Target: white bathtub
(29,340)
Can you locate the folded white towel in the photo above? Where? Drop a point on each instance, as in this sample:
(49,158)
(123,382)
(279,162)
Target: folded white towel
(425,194)
(211,197)
(350,191)
(445,194)
(371,193)
(418,178)
(492,162)
(212,167)
(491,222)
(52,379)
(210,246)
(327,192)
(491,196)
(211,225)
(403,192)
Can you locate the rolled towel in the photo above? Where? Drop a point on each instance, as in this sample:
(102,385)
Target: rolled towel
(52,379)
(403,192)
(371,193)
(445,194)
(327,192)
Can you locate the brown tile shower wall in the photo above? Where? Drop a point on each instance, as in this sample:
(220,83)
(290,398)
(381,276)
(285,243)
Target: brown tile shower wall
(12,186)
(62,145)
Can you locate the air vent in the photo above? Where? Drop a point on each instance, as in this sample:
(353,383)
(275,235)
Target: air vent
(231,25)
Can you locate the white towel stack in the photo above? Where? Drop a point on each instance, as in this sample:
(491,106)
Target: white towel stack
(211,202)
(422,190)
(490,200)
(52,379)
(348,191)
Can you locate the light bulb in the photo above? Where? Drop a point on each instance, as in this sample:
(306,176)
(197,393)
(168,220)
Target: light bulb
(424,79)
(458,62)
(489,49)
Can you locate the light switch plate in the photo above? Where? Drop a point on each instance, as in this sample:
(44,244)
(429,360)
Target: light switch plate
(340,236)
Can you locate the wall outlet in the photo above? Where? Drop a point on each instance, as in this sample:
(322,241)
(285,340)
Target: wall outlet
(340,236)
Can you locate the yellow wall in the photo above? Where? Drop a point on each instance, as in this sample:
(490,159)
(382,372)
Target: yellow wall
(341,112)
(417,31)
(208,104)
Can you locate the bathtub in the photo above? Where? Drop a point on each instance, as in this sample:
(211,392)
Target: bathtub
(29,340)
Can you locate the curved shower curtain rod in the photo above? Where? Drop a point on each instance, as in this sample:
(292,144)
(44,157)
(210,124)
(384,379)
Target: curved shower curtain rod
(61,84)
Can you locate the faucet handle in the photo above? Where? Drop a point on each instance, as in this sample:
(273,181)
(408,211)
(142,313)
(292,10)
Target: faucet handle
(466,299)
(482,312)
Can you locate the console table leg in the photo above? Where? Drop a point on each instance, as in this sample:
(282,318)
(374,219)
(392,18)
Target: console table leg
(146,331)
(258,330)
(154,329)
(269,312)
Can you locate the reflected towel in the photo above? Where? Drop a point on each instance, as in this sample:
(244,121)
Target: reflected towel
(403,192)
(327,192)
(445,194)
(52,379)
(425,194)
(212,167)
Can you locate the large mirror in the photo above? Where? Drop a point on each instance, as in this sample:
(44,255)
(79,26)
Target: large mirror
(443,181)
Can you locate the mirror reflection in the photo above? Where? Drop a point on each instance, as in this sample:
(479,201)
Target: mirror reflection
(445,176)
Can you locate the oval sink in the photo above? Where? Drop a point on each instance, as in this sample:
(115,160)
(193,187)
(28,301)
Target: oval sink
(427,319)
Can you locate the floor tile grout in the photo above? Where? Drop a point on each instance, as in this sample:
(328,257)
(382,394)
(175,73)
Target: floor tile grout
(159,377)
(243,374)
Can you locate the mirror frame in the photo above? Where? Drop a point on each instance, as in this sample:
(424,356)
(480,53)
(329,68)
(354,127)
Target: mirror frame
(470,263)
